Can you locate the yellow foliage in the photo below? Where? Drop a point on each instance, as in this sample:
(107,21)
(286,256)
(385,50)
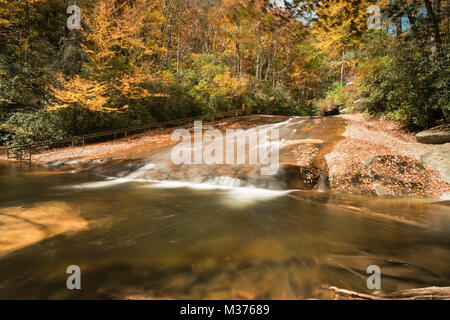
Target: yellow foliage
(80,92)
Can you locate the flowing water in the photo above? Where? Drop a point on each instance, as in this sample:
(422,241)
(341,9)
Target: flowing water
(214,232)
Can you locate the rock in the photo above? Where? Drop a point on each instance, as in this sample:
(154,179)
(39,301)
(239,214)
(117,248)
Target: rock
(436,135)
(396,175)
(301,177)
(445,197)
(382,175)
(382,191)
(358,105)
(333,111)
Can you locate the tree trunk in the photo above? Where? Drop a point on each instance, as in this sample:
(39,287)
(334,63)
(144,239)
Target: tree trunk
(269,59)
(169,44)
(433,15)
(178,54)
(257,67)
(398,23)
(398,27)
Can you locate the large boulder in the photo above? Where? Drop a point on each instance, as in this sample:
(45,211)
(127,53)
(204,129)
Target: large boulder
(301,177)
(358,105)
(382,175)
(437,135)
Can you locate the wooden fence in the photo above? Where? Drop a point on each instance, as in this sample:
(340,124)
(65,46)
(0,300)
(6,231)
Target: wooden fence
(24,152)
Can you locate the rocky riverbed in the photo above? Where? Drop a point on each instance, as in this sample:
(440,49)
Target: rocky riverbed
(378,157)
(349,153)
(350,193)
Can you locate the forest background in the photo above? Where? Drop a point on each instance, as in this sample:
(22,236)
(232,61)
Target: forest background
(135,62)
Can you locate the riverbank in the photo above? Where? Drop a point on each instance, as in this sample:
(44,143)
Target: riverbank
(149,228)
(377,157)
(346,154)
(133,147)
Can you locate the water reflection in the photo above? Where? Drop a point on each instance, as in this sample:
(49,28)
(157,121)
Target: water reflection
(190,243)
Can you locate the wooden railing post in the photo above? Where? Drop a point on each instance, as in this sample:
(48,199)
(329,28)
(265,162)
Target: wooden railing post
(17,152)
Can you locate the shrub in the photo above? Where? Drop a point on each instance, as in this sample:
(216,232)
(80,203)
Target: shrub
(24,128)
(266,98)
(48,125)
(408,84)
(337,99)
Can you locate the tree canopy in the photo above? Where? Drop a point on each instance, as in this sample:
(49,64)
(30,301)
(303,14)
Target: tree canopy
(139,61)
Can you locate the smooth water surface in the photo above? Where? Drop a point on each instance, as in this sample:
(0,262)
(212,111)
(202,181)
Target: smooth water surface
(215,239)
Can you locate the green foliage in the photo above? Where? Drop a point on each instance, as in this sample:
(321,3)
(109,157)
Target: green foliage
(31,127)
(209,84)
(265,98)
(405,82)
(137,62)
(28,46)
(42,126)
(337,98)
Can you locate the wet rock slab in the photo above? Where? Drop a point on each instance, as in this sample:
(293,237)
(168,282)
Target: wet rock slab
(378,158)
(436,135)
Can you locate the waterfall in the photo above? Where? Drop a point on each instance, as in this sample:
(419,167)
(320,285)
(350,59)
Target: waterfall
(322,183)
(159,171)
(133,176)
(225,182)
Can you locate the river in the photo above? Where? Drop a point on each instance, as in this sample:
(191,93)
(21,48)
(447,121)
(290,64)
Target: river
(211,233)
